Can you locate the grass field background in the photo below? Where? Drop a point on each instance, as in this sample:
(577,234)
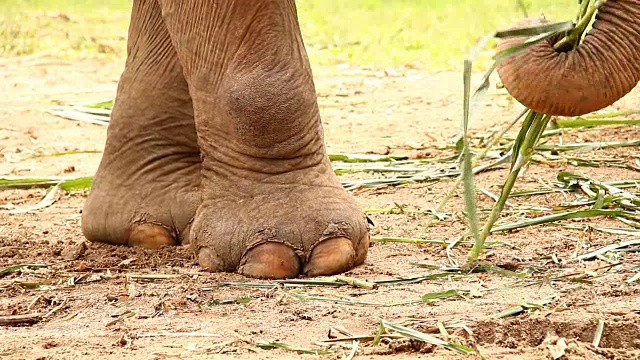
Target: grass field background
(428,34)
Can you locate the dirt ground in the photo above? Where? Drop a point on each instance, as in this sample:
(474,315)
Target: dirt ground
(103,302)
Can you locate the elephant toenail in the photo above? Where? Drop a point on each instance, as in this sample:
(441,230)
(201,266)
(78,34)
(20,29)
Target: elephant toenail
(150,236)
(271,260)
(330,257)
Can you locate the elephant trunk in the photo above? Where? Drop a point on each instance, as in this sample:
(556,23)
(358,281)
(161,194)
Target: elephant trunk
(601,70)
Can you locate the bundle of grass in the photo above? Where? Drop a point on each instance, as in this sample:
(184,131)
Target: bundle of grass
(556,69)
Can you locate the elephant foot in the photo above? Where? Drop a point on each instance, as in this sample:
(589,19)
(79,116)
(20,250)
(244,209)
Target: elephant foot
(279,230)
(272,206)
(145,192)
(216,140)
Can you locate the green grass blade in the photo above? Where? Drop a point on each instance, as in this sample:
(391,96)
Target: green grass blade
(572,37)
(66,184)
(477,269)
(532,128)
(13,268)
(386,239)
(65,153)
(521,308)
(107,105)
(81,183)
(440,295)
(580,122)
(579,214)
(536,30)
(467,167)
(413,280)
(525,44)
(379,333)
(588,146)
(612,114)
(523,8)
(26,183)
(363,158)
(536,34)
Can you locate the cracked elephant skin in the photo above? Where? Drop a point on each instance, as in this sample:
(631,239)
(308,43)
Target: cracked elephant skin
(215,141)
(593,75)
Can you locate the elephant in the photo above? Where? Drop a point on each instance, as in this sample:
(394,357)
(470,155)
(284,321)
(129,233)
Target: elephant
(598,72)
(215,142)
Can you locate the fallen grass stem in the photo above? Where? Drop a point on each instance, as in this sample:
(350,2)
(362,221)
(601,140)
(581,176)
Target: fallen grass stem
(288,347)
(579,214)
(597,336)
(587,146)
(327,282)
(468,182)
(176,334)
(356,282)
(603,250)
(439,295)
(420,336)
(354,350)
(66,183)
(348,301)
(46,201)
(153,276)
(581,122)
(613,114)
(387,239)
(361,338)
(474,270)
(13,268)
(633,279)
(55,309)
(521,308)
(18,320)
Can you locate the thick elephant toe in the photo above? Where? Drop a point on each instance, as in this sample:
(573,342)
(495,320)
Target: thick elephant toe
(270,261)
(331,256)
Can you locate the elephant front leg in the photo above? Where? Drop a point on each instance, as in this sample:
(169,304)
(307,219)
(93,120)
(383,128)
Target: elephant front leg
(271,204)
(145,192)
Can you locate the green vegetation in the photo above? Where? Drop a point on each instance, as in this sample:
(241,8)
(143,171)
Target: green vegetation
(531,131)
(64,28)
(430,34)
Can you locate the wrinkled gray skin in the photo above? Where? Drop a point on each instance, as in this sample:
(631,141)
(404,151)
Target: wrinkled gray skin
(215,140)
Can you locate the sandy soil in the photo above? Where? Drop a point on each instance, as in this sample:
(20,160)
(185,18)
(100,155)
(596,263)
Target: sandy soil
(100,302)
